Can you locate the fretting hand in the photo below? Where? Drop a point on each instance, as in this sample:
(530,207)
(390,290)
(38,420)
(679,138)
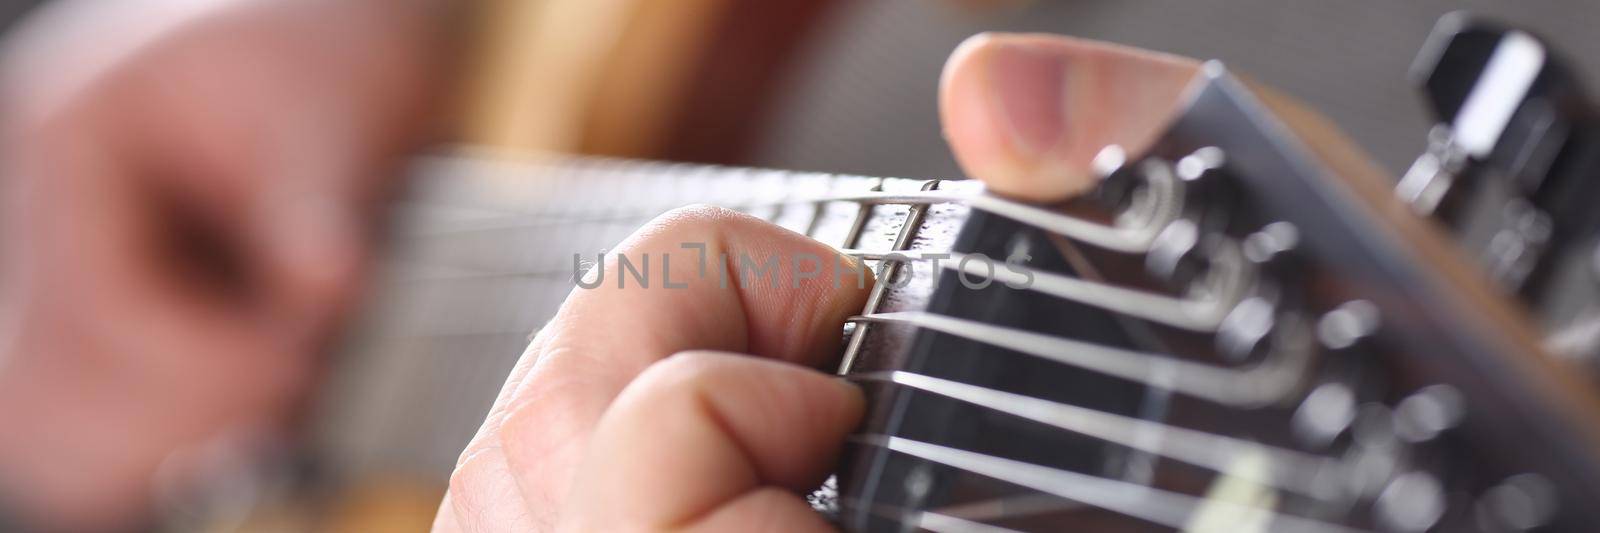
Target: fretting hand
(602,428)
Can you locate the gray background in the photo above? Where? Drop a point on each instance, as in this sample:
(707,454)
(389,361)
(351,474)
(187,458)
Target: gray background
(866,102)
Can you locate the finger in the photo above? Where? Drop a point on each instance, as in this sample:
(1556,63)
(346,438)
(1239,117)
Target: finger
(279,133)
(169,370)
(482,477)
(712,439)
(603,337)
(1026,113)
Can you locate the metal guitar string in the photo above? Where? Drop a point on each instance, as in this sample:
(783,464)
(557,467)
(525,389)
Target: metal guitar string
(1292,470)
(1200,314)
(1147,503)
(1196,314)
(1117,239)
(1256,385)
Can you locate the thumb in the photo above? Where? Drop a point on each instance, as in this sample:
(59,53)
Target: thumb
(708,441)
(1027,113)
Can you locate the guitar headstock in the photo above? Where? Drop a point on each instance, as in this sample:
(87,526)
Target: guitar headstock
(1244,328)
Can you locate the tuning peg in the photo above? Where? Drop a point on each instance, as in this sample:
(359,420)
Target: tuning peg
(1501,91)
(1505,103)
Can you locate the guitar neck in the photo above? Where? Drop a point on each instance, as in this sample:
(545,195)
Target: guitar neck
(482,255)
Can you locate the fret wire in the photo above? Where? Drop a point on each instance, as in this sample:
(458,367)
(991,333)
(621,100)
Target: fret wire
(1167,508)
(1256,385)
(863,214)
(536,220)
(1287,469)
(817,211)
(1110,237)
(886,271)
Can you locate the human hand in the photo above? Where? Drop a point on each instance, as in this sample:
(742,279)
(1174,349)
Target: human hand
(188,193)
(601,428)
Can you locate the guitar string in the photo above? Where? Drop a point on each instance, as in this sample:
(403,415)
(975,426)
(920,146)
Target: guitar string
(1114,238)
(1199,314)
(1167,508)
(1196,314)
(1009,507)
(1202,314)
(1259,384)
(1287,469)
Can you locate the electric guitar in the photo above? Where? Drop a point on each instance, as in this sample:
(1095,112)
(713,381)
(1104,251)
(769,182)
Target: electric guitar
(1244,328)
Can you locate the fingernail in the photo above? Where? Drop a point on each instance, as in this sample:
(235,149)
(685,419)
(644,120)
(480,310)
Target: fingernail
(1030,85)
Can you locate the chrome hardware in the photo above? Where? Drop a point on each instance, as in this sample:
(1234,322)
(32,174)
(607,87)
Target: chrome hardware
(1434,173)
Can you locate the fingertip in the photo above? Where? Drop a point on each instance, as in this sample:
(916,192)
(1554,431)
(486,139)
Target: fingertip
(1026,113)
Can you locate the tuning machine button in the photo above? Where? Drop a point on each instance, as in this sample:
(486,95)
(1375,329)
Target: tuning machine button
(1507,109)
(1501,97)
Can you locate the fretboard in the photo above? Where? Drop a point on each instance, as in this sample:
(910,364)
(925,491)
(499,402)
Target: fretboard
(483,255)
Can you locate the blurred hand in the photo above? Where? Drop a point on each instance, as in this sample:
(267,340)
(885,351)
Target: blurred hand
(188,193)
(601,428)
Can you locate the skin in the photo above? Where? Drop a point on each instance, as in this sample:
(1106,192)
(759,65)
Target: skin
(270,127)
(267,130)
